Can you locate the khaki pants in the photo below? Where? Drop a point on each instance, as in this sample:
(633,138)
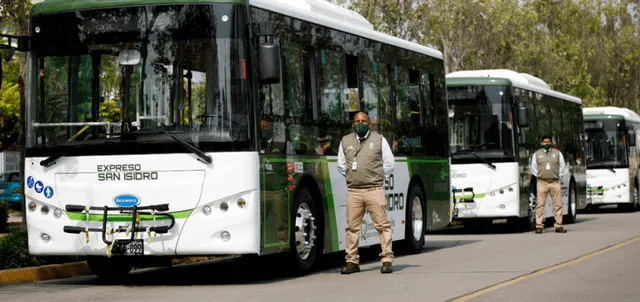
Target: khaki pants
(277,207)
(546,187)
(374,201)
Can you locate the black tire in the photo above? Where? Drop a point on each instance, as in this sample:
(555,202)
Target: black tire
(571,210)
(109,269)
(528,223)
(414,214)
(631,207)
(302,263)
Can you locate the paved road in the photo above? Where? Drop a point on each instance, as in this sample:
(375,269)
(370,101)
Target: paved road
(454,264)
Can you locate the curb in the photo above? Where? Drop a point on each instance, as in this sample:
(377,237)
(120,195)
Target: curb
(43,273)
(61,271)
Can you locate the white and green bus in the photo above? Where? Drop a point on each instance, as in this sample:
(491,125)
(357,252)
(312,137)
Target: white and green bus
(498,118)
(160,129)
(612,157)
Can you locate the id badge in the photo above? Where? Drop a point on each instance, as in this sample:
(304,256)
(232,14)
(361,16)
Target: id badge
(354,165)
(548,166)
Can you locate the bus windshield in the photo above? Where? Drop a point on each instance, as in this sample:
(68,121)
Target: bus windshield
(178,69)
(606,144)
(480,123)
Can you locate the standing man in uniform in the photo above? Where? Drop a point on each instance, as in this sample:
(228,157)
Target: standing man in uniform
(365,159)
(547,165)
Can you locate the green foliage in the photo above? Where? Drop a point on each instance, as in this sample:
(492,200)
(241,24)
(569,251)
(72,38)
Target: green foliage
(15,253)
(4,216)
(13,249)
(582,47)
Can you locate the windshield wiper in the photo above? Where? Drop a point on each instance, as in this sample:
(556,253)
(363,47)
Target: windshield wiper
(469,151)
(203,156)
(51,160)
(484,160)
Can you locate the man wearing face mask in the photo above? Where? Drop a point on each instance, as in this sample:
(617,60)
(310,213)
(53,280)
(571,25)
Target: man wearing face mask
(267,145)
(547,165)
(365,159)
(275,186)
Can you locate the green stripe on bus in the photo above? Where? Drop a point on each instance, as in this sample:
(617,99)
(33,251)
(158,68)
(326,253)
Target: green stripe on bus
(330,207)
(276,244)
(423,161)
(125,218)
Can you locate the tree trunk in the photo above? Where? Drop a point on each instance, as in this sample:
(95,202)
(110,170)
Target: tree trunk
(23,30)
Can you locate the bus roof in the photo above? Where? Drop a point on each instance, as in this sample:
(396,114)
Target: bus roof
(320,12)
(328,14)
(627,114)
(60,6)
(516,79)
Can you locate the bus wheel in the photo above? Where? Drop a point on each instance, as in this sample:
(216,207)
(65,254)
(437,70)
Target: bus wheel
(415,222)
(109,269)
(571,204)
(304,235)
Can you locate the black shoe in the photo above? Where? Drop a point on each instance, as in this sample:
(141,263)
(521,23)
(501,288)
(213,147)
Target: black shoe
(538,231)
(561,230)
(386,268)
(350,268)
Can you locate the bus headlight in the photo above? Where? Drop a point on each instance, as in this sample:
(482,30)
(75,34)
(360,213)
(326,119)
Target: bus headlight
(32,206)
(224,206)
(225,236)
(242,203)
(206,210)
(57,213)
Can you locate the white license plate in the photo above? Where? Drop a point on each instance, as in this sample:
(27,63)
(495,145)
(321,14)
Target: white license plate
(133,248)
(498,221)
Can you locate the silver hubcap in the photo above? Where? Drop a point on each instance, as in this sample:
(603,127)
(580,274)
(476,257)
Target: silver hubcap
(305,228)
(572,205)
(417,220)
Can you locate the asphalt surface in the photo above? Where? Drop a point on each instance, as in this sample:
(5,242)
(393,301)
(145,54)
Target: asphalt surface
(453,264)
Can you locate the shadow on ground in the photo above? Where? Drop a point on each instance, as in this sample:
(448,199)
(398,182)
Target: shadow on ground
(499,229)
(251,270)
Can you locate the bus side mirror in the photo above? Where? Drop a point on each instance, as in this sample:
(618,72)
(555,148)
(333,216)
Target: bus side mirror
(523,117)
(269,63)
(632,139)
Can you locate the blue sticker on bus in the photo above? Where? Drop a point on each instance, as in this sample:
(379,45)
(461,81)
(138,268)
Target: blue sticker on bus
(126,200)
(39,187)
(30,182)
(48,192)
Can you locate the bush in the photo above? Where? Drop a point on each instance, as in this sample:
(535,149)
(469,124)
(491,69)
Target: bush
(4,216)
(14,251)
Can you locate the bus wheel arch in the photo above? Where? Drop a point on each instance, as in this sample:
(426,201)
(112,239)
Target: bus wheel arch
(415,217)
(307,225)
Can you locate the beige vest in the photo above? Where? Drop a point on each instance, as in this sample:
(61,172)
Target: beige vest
(553,158)
(368,173)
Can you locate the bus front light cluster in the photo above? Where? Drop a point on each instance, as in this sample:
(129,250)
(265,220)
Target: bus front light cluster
(225,205)
(502,190)
(45,209)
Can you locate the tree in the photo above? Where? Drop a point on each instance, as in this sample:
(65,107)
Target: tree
(14,13)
